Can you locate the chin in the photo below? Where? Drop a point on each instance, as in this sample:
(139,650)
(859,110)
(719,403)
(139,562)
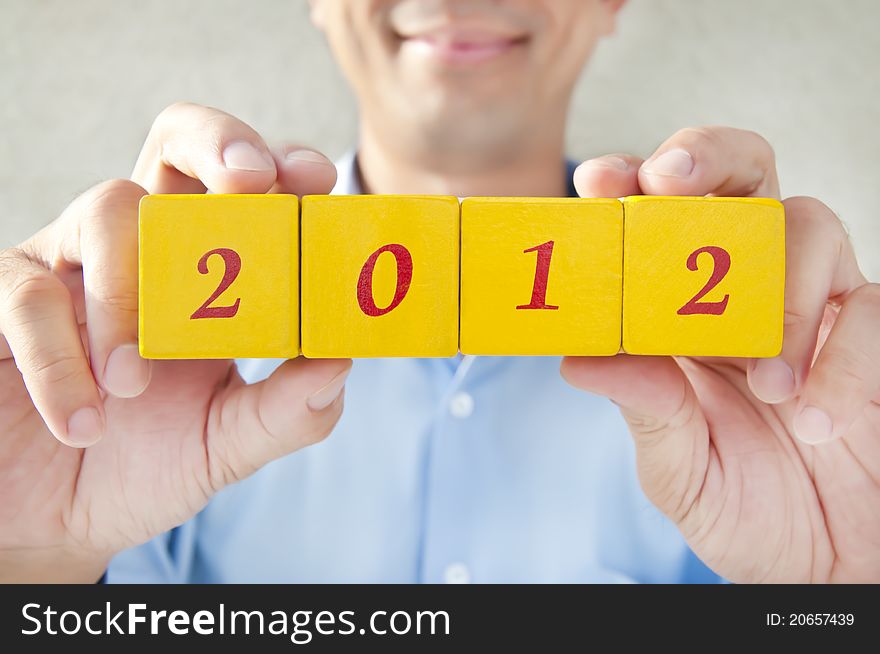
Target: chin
(452,97)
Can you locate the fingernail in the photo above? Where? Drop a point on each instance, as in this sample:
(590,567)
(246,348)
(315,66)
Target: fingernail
(307,156)
(609,162)
(327,394)
(813,426)
(241,155)
(674,163)
(126,373)
(772,380)
(84,427)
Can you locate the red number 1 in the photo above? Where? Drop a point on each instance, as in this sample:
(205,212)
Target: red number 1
(542,274)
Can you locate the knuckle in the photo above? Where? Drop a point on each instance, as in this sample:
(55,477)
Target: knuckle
(765,149)
(112,202)
(35,289)
(219,127)
(113,195)
(708,137)
(705,137)
(713,137)
(868,294)
(115,293)
(846,368)
(204,126)
(806,207)
(10,260)
(214,133)
(217,121)
(794,320)
(813,214)
(168,114)
(865,301)
(109,202)
(56,368)
(178,120)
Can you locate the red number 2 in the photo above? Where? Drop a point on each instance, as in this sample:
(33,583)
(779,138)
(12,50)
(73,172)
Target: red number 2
(365,280)
(542,274)
(721,266)
(233,267)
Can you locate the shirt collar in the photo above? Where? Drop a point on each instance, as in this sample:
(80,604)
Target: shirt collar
(348,176)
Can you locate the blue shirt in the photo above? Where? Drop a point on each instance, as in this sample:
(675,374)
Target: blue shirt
(482,469)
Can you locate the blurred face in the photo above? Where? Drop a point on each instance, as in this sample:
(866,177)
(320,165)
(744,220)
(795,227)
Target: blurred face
(463,79)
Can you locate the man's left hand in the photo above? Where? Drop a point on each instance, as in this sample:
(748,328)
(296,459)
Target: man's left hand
(769,467)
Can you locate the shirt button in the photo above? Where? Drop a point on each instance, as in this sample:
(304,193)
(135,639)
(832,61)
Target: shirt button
(457,573)
(461,405)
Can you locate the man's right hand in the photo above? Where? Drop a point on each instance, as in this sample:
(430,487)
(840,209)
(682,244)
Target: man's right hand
(139,447)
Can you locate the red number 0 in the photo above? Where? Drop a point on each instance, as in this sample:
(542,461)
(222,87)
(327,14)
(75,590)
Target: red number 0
(233,267)
(721,266)
(365,280)
(542,274)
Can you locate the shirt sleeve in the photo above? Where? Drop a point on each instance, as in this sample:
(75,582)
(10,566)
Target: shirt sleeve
(167,559)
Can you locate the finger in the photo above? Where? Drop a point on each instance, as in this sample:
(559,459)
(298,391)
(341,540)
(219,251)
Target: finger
(6,352)
(820,265)
(664,417)
(846,375)
(252,425)
(191,148)
(711,161)
(39,323)
(611,176)
(98,232)
(302,171)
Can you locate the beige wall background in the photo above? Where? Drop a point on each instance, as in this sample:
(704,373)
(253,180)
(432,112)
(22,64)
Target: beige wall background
(81,81)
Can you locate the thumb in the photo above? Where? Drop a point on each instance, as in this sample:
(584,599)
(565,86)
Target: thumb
(664,417)
(611,176)
(302,171)
(251,425)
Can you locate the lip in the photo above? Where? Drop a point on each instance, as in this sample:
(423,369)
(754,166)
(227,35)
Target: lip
(456,46)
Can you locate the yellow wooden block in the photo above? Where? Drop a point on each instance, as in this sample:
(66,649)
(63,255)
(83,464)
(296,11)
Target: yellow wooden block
(541,276)
(703,276)
(218,276)
(380,276)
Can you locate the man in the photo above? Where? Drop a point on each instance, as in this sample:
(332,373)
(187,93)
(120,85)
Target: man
(482,469)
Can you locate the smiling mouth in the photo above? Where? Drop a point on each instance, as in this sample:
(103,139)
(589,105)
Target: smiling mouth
(463,47)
